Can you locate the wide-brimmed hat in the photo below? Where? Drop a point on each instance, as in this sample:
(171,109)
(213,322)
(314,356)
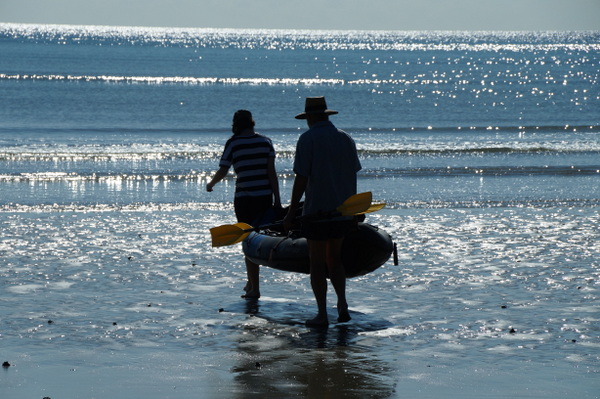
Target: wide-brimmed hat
(315,105)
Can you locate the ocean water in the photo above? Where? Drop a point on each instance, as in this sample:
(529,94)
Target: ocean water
(485,147)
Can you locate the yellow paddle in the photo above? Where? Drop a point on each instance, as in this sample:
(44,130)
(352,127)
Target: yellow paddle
(373,208)
(230,234)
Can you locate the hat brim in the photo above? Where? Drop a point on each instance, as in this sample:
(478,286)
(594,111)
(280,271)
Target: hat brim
(303,115)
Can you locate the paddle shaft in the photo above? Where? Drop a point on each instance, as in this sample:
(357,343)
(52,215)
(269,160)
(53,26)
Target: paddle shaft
(357,204)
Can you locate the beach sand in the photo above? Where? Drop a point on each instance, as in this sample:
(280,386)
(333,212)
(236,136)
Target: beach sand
(267,359)
(137,305)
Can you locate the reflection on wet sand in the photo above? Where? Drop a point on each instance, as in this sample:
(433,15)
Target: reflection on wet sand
(279,357)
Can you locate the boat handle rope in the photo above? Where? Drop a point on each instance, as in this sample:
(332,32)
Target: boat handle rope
(274,249)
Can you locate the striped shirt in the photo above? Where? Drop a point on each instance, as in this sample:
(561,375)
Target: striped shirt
(249,156)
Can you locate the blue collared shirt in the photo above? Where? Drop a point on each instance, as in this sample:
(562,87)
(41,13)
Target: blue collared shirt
(327,156)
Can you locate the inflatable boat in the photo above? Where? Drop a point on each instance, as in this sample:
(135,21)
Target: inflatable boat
(364,250)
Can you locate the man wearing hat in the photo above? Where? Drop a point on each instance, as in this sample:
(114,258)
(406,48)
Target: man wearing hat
(325,168)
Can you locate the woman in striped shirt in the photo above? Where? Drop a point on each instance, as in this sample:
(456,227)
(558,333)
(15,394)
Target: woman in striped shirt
(256,188)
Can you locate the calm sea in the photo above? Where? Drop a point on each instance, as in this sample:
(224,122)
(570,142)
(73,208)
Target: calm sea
(485,146)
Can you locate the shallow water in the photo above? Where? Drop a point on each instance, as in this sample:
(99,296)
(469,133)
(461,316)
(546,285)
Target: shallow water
(481,301)
(485,147)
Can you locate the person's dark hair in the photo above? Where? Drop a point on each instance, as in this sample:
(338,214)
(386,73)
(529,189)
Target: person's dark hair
(242,119)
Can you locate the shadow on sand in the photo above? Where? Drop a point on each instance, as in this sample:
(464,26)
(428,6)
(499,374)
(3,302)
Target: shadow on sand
(278,356)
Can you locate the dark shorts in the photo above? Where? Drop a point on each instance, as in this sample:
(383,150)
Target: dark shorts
(251,209)
(327,229)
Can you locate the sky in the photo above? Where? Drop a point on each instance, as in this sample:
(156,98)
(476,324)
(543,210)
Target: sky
(313,14)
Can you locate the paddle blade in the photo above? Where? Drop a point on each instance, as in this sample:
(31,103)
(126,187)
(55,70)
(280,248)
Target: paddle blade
(356,204)
(373,208)
(229,234)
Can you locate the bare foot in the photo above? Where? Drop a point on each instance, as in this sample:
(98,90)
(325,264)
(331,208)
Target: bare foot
(319,321)
(343,314)
(251,294)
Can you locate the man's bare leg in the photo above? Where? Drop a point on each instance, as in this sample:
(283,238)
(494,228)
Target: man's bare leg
(252,287)
(337,275)
(318,281)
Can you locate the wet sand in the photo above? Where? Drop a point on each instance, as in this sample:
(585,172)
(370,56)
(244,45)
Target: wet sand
(279,358)
(137,305)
